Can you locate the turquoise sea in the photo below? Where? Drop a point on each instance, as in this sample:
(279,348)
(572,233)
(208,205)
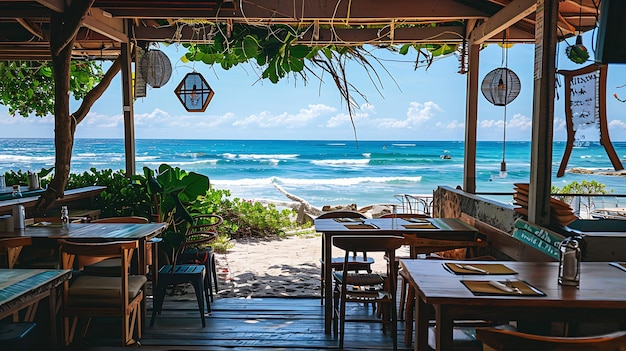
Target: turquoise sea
(321,172)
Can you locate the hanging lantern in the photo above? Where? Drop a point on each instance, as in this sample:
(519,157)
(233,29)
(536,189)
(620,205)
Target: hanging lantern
(156,68)
(501,86)
(194,92)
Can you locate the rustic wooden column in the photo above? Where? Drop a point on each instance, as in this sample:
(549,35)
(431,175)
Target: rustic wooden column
(543,112)
(127,107)
(471,120)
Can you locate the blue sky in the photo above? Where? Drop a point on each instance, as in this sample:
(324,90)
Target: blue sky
(422,104)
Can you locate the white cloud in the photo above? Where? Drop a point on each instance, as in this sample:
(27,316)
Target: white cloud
(420,113)
(520,122)
(451,125)
(416,115)
(617,124)
(266,119)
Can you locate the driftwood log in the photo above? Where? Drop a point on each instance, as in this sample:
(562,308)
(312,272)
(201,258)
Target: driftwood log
(305,210)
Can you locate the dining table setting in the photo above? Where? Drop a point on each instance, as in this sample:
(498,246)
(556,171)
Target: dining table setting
(510,291)
(428,228)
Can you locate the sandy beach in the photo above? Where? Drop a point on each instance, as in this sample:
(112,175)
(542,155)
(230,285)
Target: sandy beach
(276,267)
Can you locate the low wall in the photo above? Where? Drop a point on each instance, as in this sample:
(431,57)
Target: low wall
(449,202)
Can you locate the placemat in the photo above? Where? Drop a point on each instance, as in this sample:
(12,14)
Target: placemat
(619,265)
(427,225)
(340,220)
(489,268)
(483,288)
(360,226)
(416,220)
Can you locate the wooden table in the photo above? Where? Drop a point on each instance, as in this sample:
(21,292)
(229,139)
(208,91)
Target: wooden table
(95,232)
(24,288)
(441,228)
(98,232)
(600,298)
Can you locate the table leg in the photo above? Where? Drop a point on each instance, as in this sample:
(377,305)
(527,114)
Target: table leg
(52,302)
(141,270)
(421,324)
(328,283)
(444,326)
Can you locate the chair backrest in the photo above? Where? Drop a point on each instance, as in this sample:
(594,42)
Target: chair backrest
(508,340)
(70,250)
(405,215)
(368,243)
(12,247)
(341,214)
(128,219)
(425,246)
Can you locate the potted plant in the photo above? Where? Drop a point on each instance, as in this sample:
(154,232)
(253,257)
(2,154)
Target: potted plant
(173,191)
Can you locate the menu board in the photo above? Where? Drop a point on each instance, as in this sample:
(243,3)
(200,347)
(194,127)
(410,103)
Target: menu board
(584,99)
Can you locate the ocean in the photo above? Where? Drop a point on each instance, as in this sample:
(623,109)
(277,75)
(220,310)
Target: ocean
(321,172)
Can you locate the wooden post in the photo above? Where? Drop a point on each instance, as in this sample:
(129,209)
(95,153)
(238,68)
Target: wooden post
(543,112)
(127,107)
(471,120)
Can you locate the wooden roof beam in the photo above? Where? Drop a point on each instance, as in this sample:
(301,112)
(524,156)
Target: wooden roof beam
(54,5)
(503,19)
(101,22)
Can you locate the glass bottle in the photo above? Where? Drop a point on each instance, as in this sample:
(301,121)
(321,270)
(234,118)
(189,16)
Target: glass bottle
(65,216)
(570,255)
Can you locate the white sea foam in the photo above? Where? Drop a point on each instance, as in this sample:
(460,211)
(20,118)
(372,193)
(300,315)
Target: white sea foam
(312,182)
(367,155)
(86,154)
(403,145)
(341,162)
(146,158)
(259,156)
(182,164)
(19,158)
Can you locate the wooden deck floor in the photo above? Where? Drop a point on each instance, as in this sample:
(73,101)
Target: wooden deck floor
(246,324)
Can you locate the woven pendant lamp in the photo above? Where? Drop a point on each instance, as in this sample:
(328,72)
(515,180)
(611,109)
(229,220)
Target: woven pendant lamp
(501,86)
(156,68)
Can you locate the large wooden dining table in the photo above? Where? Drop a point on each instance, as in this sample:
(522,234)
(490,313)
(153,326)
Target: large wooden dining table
(93,232)
(435,228)
(24,288)
(601,296)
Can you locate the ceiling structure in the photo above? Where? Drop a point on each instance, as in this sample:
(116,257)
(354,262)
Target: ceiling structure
(24,24)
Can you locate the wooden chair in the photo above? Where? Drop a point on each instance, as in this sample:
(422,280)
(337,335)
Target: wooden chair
(11,248)
(110,266)
(174,274)
(507,340)
(425,246)
(356,263)
(366,287)
(208,223)
(97,296)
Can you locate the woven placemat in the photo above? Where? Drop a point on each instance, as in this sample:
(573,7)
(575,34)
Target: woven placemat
(484,288)
(489,268)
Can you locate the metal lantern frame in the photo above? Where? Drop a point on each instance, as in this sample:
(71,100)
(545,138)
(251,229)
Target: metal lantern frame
(194,92)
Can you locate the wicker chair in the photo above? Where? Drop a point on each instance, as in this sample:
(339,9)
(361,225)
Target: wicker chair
(507,340)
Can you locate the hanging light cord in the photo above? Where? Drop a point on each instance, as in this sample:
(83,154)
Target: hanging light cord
(505,58)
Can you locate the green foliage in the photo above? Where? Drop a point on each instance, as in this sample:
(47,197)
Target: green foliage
(28,86)
(121,197)
(19,177)
(173,192)
(245,218)
(583,188)
(273,48)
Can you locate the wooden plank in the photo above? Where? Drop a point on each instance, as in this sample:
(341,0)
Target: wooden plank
(248,324)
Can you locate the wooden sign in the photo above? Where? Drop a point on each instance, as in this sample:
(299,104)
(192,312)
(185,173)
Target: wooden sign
(585,106)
